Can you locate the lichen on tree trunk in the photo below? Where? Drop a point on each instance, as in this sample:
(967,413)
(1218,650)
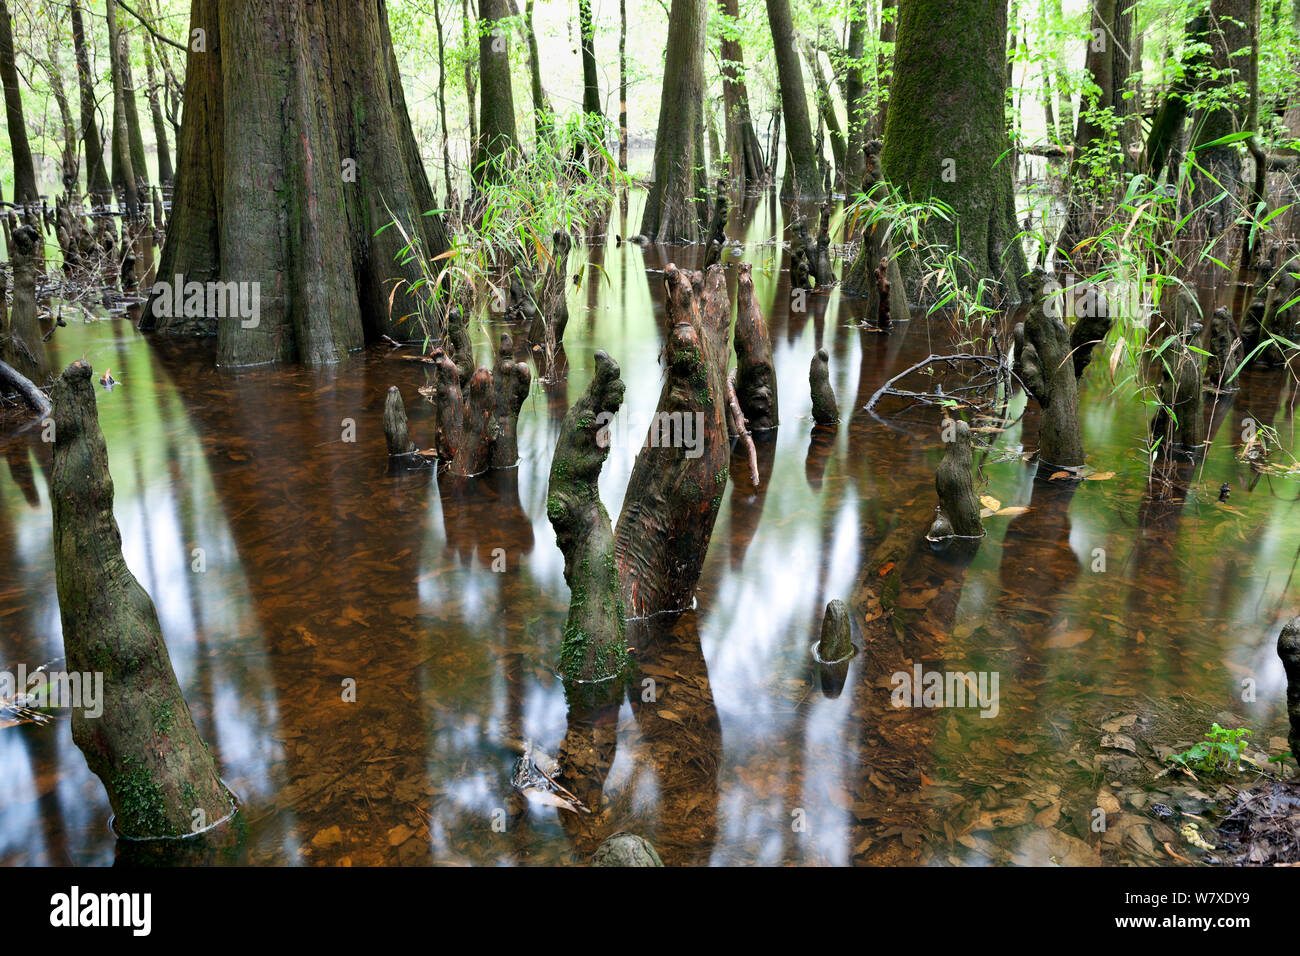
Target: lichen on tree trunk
(160,777)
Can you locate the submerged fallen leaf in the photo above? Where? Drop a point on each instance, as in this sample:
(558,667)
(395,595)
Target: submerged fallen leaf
(988,501)
(885,569)
(1012,510)
(1099,476)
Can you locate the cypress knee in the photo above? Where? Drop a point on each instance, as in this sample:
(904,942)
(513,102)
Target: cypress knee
(1225,351)
(1043,364)
(756,375)
(824,408)
(459,347)
(834,648)
(23,348)
(396,430)
(144,747)
(474,455)
(676,486)
(955,484)
(1177,421)
(448,406)
(555,303)
(512,380)
(594,646)
(1288,648)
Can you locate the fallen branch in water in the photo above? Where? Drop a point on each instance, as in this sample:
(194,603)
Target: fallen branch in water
(33,396)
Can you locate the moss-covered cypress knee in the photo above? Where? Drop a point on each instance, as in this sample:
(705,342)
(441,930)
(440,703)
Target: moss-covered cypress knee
(755,375)
(825,410)
(594,646)
(144,747)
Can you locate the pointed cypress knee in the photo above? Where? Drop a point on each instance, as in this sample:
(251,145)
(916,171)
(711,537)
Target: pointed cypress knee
(396,431)
(448,406)
(512,380)
(835,648)
(959,506)
(755,373)
(594,647)
(1288,648)
(825,410)
(144,747)
(474,456)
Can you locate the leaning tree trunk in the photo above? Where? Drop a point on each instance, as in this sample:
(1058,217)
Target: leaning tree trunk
(296,151)
(801,179)
(24,170)
(594,646)
(743,149)
(675,209)
(144,747)
(97,183)
(498,138)
(676,485)
(952,147)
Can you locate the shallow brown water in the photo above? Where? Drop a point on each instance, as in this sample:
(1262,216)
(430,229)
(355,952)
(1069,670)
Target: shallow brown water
(321,566)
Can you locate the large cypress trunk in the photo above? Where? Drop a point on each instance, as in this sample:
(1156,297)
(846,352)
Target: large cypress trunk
(295,151)
(144,747)
(675,210)
(743,150)
(946,132)
(497,134)
(24,169)
(96,174)
(801,179)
